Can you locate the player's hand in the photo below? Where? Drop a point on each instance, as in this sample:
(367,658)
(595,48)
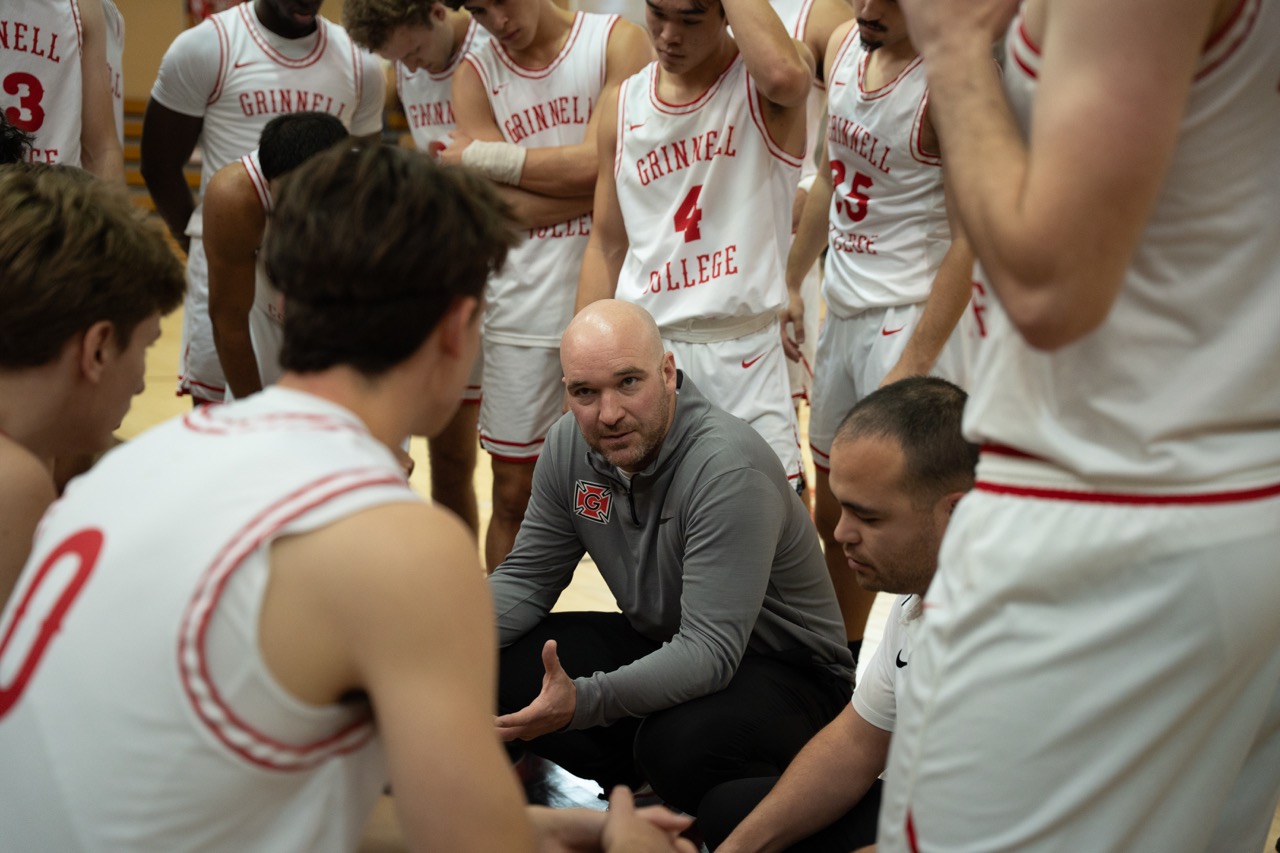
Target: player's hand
(550,711)
(792,322)
(451,154)
(939,24)
(904,369)
(627,830)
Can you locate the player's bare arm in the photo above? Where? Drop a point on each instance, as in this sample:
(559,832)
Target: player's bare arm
(168,138)
(537,211)
(233,226)
(26,491)
(948,294)
(100,151)
(824,781)
(807,244)
(781,67)
(1108,110)
(608,244)
(557,171)
(825,16)
(391,602)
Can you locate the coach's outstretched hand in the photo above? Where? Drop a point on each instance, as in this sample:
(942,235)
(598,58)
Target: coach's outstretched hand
(550,711)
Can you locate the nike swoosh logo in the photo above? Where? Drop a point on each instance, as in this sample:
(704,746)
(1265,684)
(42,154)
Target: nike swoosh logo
(899,661)
(746,364)
(243,64)
(634,126)
(887,332)
(662,521)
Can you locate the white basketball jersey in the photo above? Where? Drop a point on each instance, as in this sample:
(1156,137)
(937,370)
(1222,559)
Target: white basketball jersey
(427,97)
(40,77)
(530,302)
(262,75)
(888,230)
(1179,388)
(795,17)
(706,196)
(136,711)
(115,61)
(266,317)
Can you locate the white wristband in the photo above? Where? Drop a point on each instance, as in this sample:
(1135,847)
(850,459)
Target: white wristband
(499,161)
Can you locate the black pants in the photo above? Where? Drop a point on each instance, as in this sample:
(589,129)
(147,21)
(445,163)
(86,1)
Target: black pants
(725,806)
(753,727)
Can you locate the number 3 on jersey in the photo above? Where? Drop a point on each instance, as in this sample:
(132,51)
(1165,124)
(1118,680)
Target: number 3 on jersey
(28,115)
(689,215)
(855,207)
(82,549)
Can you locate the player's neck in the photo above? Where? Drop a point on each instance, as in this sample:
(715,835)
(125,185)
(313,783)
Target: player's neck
(886,62)
(553,28)
(376,401)
(687,86)
(461,23)
(31,405)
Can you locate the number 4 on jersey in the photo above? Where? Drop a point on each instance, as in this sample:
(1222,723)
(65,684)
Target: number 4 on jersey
(689,215)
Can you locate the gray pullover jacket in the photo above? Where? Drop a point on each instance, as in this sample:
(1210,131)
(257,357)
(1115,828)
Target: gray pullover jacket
(708,551)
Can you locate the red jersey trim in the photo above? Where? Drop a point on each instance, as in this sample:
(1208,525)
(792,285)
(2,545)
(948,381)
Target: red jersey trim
(545,71)
(1238,27)
(260,186)
(757,117)
(492,440)
(1131,499)
(917,135)
(887,89)
(75,17)
(845,45)
(472,26)
(322,40)
(698,102)
(622,128)
(235,734)
(224,52)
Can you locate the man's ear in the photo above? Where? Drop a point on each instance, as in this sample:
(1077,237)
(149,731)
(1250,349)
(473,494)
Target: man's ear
(952,499)
(97,346)
(438,12)
(457,322)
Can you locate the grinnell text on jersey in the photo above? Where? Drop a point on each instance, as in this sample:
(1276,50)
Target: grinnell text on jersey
(544,116)
(27,38)
(859,140)
(281,101)
(674,156)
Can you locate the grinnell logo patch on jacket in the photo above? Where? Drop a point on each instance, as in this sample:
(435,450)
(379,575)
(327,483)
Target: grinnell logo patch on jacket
(593,501)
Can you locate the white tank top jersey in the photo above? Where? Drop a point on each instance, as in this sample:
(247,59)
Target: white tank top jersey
(40,78)
(1177,393)
(136,711)
(239,75)
(887,230)
(795,17)
(427,97)
(115,61)
(706,195)
(531,300)
(266,317)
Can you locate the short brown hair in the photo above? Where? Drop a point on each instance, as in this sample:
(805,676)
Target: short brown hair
(371,22)
(370,246)
(923,414)
(74,251)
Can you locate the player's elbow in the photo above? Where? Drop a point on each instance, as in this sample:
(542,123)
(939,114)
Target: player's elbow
(1050,317)
(786,84)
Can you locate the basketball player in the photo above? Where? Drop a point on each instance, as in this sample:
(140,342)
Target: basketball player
(895,281)
(54,83)
(244,306)
(77,313)
(526,100)
(693,207)
(321,627)
(425,43)
(1119,194)
(899,466)
(811,22)
(219,84)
